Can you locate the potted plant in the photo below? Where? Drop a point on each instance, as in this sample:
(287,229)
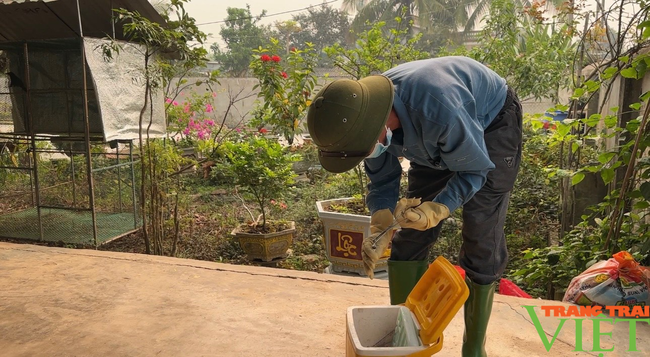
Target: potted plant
(262,168)
(346,222)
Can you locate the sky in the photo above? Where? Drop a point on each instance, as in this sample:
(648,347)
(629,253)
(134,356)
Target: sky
(205,11)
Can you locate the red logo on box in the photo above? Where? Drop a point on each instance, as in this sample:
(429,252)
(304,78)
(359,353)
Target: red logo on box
(345,244)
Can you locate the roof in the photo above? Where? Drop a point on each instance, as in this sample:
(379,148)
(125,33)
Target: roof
(23,20)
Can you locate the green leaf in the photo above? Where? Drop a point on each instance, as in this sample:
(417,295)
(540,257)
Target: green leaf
(609,72)
(593,120)
(607,175)
(635,106)
(577,178)
(632,126)
(605,157)
(645,190)
(642,205)
(534,275)
(574,147)
(563,129)
(611,121)
(592,85)
(629,73)
(644,97)
(641,69)
(634,194)
(591,262)
(578,92)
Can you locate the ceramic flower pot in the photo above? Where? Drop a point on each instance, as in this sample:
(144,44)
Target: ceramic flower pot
(265,247)
(344,233)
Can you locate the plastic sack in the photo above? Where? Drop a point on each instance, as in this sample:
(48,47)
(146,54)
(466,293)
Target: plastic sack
(619,280)
(507,287)
(460,271)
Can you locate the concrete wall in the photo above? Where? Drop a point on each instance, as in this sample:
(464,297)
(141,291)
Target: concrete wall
(239,95)
(241,91)
(235,98)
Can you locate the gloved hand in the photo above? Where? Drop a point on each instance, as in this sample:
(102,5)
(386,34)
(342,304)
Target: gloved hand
(379,222)
(411,213)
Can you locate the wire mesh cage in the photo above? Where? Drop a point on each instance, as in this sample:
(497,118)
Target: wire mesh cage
(55,175)
(68,118)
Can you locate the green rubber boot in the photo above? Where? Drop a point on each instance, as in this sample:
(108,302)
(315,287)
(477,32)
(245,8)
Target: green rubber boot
(478,308)
(402,277)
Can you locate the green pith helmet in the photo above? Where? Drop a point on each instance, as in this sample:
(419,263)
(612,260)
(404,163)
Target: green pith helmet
(346,118)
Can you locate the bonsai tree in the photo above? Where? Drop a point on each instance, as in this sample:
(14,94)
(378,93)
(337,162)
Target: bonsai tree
(260,167)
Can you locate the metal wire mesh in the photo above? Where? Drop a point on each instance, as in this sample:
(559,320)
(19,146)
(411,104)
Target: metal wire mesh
(536,106)
(52,74)
(45,193)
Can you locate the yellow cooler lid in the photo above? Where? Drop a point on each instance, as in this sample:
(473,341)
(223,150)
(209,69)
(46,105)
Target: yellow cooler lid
(436,299)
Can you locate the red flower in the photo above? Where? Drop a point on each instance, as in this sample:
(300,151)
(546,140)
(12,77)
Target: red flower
(265,58)
(263,131)
(275,58)
(284,74)
(293,49)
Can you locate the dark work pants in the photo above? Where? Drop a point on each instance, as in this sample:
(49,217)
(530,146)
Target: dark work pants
(483,253)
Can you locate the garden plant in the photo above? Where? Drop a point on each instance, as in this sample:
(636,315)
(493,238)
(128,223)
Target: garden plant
(262,168)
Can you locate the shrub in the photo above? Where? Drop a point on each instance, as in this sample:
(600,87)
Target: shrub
(259,166)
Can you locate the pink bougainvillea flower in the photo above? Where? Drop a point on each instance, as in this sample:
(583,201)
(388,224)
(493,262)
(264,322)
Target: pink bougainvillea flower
(168,100)
(263,131)
(209,122)
(214,94)
(265,58)
(238,130)
(284,74)
(208,108)
(275,58)
(186,131)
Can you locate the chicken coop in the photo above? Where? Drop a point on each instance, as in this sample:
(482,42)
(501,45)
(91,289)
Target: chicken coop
(69,119)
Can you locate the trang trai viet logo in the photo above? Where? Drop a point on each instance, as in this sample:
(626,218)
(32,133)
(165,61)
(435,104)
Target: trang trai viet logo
(631,315)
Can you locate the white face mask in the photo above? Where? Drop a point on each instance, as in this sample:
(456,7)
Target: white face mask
(379,147)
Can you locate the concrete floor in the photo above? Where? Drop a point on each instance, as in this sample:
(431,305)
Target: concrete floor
(62,302)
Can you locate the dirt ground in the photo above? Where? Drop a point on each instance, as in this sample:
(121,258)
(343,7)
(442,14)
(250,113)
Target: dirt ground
(72,302)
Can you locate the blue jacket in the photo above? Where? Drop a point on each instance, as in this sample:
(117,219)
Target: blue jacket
(444,105)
